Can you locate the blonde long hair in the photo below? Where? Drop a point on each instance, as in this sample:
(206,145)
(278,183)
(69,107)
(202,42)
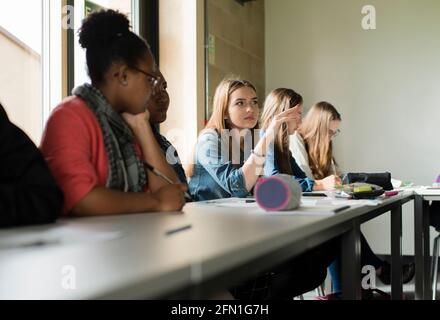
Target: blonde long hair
(220,109)
(315,132)
(280,100)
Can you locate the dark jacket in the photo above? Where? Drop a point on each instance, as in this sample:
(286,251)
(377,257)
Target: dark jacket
(28,192)
(434,215)
(171,155)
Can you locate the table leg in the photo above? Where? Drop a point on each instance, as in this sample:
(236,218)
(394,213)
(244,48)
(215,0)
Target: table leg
(421,247)
(351,263)
(396,253)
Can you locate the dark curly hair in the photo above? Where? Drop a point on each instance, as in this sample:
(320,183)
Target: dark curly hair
(107,38)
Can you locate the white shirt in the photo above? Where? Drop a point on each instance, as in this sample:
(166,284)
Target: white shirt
(299,152)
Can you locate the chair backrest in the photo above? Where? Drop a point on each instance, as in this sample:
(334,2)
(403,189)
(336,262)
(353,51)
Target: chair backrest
(3,112)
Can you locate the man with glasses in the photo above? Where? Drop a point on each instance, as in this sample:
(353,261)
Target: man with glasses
(158,108)
(154,80)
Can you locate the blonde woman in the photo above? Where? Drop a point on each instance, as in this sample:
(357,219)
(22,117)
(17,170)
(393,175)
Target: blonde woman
(312,148)
(311,145)
(228,157)
(280,159)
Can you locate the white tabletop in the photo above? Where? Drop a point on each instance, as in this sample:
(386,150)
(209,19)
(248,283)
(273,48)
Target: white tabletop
(428,193)
(132,257)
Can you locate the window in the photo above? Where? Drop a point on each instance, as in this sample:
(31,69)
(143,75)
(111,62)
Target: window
(40,61)
(181,39)
(30,61)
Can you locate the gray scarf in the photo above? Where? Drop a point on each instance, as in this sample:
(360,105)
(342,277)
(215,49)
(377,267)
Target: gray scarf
(126,171)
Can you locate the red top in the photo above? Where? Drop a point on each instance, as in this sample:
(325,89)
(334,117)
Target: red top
(73,145)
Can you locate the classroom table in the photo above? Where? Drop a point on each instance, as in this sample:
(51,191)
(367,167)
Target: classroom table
(189,255)
(351,246)
(422,196)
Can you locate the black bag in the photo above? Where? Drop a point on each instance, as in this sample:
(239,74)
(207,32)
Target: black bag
(380,179)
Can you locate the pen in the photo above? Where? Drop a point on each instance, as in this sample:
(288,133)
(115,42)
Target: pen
(220,201)
(164,177)
(170,232)
(335,172)
(32,244)
(334,168)
(314,194)
(341,209)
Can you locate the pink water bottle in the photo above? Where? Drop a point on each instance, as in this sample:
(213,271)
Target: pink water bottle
(278,193)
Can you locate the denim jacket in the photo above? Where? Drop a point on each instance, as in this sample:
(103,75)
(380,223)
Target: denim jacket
(271,168)
(215,175)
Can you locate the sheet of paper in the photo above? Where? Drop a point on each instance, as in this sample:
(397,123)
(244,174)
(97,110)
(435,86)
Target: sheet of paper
(55,237)
(309,206)
(337,202)
(231,203)
(306,210)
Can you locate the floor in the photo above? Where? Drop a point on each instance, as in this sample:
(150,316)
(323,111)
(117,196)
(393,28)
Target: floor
(408,289)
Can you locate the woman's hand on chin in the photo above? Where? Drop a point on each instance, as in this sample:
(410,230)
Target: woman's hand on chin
(137,122)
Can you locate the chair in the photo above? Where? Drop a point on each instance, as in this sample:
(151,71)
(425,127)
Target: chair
(320,292)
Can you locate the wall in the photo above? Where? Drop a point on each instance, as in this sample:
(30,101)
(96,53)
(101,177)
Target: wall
(239,43)
(239,50)
(20,85)
(182,62)
(385,83)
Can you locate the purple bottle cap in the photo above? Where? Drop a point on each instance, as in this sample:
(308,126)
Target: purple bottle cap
(438,179)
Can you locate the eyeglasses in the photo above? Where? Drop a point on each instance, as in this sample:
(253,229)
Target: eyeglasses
(334,133)
(153,79)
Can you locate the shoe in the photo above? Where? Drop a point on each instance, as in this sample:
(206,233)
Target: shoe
(375,294)
(331,296)
(408,272)
(370,294)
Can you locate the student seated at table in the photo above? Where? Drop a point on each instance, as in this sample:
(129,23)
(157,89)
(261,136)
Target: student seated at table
(315,157)
(228,165)
(158,107)
(96,141)
(312,147)
(28,192)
